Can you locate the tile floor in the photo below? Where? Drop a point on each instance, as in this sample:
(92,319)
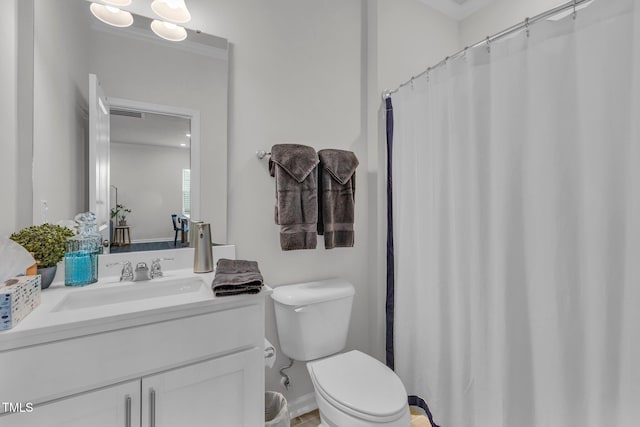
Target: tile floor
(311,419)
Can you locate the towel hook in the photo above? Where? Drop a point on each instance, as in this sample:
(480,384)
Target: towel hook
(262,154)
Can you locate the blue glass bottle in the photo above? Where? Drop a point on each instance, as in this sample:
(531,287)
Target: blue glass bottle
(81,256)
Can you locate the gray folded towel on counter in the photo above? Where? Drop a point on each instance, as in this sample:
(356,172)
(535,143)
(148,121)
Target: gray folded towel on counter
(337,197)
(294,167)
(235,277)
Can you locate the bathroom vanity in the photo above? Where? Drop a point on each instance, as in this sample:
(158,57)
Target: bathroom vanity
(164,352)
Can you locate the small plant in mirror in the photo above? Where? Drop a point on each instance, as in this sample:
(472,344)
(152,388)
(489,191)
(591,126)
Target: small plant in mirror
(120,212)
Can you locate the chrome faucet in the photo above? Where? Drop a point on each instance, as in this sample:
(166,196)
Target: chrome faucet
(142,272)
(127,270)
(156,268)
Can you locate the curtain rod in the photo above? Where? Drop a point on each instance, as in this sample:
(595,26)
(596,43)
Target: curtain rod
(524,25)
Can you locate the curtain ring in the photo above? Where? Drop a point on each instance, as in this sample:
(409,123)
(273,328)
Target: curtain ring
(575,13)
(488,44)
(428,72)
(526,26)
(412,79)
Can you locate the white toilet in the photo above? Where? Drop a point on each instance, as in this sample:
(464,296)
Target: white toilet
(352,389)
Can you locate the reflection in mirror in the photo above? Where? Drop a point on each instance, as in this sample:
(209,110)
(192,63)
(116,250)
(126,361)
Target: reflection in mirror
(133,64)
(150,177)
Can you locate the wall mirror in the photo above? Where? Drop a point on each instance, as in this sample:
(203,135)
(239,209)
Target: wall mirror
(141,74)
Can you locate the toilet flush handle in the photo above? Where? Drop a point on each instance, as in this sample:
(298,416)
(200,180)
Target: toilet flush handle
(300,309)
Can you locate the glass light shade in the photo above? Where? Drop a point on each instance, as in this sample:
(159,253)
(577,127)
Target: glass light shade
(117,3)
(171,10)
(168,31)
(111,15)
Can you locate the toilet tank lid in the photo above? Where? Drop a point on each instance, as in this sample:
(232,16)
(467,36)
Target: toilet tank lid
(313,292)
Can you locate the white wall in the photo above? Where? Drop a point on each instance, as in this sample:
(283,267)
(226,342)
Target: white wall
(296,74)
(149,181)
(16,115)
(301,72)
(500,15)
(9,117)
(411,37)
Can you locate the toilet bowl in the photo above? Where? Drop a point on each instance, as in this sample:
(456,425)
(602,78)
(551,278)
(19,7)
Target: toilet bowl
(355,390)
(352,389)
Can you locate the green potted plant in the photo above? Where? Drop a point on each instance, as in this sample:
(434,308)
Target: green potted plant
(47,244)
(120,213)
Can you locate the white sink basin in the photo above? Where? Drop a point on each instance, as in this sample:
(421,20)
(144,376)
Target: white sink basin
(136,291)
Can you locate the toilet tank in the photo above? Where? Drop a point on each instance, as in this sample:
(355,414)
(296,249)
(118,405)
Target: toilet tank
(313,318)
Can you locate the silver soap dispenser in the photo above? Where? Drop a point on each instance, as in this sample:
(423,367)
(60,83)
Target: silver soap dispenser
(203,257)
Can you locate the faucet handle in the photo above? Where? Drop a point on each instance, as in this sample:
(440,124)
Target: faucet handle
(156,268)
(127,270)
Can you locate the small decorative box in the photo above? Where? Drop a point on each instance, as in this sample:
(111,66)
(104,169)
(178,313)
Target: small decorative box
(18,297)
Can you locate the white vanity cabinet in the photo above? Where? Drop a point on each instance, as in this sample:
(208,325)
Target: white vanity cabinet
(201,364)
(106,407)
(217,392)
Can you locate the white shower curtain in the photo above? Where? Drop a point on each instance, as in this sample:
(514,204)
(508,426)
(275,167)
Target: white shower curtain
(517,228)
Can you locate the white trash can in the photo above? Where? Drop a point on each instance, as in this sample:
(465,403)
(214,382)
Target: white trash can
(276,413)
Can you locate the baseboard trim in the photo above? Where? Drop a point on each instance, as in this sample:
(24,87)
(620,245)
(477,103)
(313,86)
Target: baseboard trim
(302,405)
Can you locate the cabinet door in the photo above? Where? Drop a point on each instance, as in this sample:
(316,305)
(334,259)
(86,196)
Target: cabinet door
(226,391)
(113,406)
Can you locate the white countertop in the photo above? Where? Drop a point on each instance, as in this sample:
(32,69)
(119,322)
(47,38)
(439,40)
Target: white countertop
(47,323)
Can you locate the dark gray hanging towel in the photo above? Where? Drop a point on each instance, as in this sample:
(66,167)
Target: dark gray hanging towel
(337,197)
(295,168)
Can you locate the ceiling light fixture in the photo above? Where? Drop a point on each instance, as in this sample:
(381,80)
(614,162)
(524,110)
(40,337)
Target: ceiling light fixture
(111,15)
(171,10)
(168,31)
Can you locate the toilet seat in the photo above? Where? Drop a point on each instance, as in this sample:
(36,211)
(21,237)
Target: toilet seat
(361,386)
